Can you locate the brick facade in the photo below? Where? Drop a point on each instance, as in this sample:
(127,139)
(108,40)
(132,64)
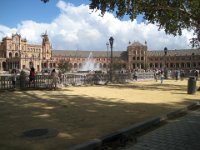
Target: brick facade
(16,53)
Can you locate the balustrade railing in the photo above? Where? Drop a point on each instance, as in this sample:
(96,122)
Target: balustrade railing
(44,81)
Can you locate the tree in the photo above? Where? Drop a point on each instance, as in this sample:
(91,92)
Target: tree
(64,66)
(171,15)
(118,64)
(45,1)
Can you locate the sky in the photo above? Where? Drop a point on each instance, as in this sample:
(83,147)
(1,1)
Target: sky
(71,25)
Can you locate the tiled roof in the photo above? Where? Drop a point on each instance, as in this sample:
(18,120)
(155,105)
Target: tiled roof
(79,53)
(136,43)
(183,52)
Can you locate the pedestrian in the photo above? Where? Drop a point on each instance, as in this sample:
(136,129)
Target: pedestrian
(176,75)
(182,75)
(54,77)
(32,76)
(135,75)
(196,74)
(156,75)
(14,78)
(161,77)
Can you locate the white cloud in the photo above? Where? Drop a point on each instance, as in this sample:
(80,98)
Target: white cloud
(79,28)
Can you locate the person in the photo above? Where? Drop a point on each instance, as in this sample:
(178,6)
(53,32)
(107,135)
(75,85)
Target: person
(32,76)
(182,75)
(196,74)
(176,75)
(135,75)
(14,78)
(54,77)
(161,77)
(156,75)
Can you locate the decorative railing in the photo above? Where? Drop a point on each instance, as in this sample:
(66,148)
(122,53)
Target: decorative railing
(145,75)
(44,81)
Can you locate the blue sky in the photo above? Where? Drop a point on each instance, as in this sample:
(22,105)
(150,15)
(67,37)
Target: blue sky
(13,12)
(71,26)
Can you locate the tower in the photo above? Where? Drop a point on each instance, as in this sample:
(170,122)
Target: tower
(137,56)
(46,47)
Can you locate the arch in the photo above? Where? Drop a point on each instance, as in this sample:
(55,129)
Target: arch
(161,65)
(151,65)
(10,55)
(194,64)
(16,54)
(100,65)
(182,65)
(75,65)
(70,65)
(133,65)
(80,65)
(142,66)
(4,66)
(30,64)
(54,65)
(104,65)
(177,65)
(188,65)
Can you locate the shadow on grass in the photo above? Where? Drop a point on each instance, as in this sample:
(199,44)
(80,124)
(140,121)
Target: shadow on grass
(77,118)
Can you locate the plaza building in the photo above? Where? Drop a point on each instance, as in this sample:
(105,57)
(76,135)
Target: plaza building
(17,53)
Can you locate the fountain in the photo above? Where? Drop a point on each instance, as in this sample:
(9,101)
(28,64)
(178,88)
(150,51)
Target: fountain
(89,65)
(88,73)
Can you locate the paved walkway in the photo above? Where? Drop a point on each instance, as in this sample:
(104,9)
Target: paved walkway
(179,134)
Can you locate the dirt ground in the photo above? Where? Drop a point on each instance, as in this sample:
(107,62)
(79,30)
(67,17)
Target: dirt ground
(83,113)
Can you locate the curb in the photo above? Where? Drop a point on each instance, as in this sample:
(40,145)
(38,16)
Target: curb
(132,130)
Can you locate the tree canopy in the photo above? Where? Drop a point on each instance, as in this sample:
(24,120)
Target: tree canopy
(171,15)
(45,1)
(64,66)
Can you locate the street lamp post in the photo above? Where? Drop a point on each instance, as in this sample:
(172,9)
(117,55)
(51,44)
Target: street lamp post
(111,40)
(165,68)
(107,44)
(192,66)
(25,60)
